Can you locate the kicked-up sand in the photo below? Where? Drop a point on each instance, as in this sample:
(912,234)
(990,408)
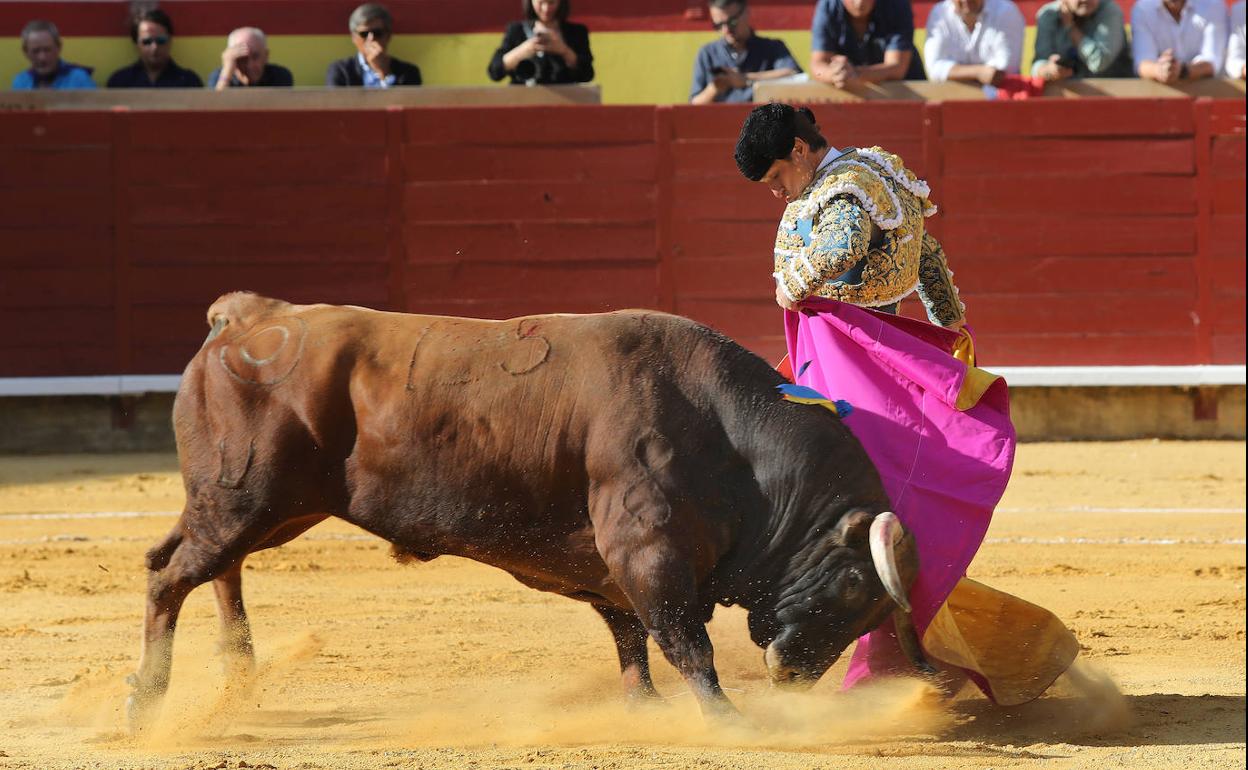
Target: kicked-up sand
(365,663)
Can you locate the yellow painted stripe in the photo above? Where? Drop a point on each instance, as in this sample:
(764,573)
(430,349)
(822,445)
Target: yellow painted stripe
(632,67)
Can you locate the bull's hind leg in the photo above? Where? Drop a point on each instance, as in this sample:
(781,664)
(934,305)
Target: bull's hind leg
(235,646)
(185,559)
(630,642)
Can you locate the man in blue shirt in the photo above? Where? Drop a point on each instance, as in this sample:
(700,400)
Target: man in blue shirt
(854,42)
(727,69)
(41,42)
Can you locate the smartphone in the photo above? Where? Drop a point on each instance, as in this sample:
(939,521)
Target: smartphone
(718,70)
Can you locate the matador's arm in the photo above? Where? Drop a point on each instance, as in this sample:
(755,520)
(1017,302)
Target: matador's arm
(838,239)
(936,289)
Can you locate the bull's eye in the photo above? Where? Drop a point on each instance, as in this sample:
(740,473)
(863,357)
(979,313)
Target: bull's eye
(853,580)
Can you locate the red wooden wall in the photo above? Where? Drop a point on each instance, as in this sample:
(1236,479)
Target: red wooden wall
(1081,231)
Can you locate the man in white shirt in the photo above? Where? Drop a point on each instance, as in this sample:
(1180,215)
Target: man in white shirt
(977,41)
(1235,46)
(1178,40)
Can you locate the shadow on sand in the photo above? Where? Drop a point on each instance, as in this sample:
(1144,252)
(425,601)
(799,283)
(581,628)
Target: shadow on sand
(1147,720)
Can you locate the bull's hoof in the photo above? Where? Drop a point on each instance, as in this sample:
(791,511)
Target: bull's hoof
(142,706)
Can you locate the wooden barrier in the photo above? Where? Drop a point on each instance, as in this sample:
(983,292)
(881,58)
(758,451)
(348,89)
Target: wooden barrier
(1082,231)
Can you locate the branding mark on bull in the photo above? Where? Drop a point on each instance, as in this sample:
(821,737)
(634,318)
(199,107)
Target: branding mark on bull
(275,366)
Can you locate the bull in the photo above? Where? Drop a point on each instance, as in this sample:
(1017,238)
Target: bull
(636,461)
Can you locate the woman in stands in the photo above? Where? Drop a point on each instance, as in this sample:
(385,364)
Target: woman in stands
(545,48)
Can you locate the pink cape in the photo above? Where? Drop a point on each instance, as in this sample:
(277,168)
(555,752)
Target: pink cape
(944,469)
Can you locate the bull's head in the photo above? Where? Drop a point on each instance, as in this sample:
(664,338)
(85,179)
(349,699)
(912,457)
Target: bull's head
(837,589)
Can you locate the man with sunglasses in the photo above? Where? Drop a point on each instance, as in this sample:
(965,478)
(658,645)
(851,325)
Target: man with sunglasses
(727,69)
(372,66)
(152,33)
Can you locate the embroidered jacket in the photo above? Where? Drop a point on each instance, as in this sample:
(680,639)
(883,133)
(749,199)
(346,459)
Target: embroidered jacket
(824,247)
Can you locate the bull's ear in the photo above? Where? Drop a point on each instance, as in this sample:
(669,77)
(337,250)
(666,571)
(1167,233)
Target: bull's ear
(853,528)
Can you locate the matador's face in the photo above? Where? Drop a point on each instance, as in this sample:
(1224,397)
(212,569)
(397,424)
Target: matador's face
(789,177)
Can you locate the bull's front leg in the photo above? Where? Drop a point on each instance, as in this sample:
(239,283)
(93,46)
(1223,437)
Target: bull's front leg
(662,588)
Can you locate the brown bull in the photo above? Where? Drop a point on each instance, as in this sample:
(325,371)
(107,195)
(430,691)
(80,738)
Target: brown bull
(634,460)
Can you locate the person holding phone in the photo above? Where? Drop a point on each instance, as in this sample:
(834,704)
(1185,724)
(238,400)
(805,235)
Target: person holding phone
(544,48)
(1081,39)
(727,69)
(245,63)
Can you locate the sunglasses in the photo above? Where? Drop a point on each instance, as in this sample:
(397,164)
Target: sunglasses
(729,23)
(158,40)
(377,33)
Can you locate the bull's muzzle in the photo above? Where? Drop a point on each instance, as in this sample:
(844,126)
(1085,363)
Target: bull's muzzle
(784,676)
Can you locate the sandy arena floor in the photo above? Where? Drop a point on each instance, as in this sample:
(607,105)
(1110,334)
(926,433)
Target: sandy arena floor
(364,663)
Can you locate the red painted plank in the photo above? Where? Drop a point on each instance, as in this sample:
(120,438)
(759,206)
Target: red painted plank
(199,285)
(529,241)
(35,327)
(1228,311)
(1026,235)
(201,129)
(521,127)
(61,359)
(53,129)
(735,318)
(70,207)
(546,282)
(1072,314)
(1227,241)
(43,168)
(473,203)
(847,123)
(258,166)
(1228,157)
(735,277)
(56,246)
(713,158)
(1226,117)
(1068,117)
(56,287)
(1076,275)
(1064,197)
(1087,348)
(729,237)
(1228,348)
(723,200)
(619,163)
(278,205)
(1228,196)
(227,245)
(1078,156)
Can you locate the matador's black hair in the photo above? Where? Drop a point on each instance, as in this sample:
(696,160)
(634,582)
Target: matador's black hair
(769,133)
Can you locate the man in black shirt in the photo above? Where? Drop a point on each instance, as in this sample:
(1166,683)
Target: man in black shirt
(152,33)
(245,62)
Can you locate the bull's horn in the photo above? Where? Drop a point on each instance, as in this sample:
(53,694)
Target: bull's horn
(885,532)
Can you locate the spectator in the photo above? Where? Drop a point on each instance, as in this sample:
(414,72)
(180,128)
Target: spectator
(1081,39)
(152,33)
(1235,46)
(245,62)
(1178,40)
(863,41)
(727,69)
(975,41)
(545,48)
(372,67)
(41,42)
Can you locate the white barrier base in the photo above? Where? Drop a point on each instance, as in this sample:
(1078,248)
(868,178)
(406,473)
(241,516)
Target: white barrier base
(1016,376)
